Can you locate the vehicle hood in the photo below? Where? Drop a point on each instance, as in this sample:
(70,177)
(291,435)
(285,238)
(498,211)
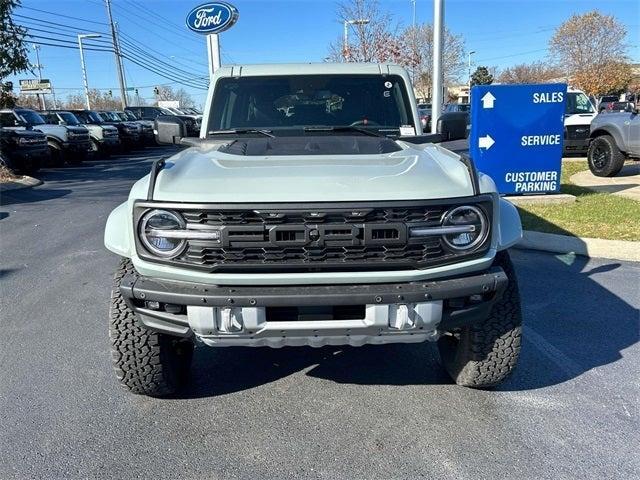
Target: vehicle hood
(203,174)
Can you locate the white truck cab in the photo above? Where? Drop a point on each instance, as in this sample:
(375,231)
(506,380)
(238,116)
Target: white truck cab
(579,112)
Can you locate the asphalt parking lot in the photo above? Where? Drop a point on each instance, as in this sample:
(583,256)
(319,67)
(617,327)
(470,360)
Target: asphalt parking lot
(571,410)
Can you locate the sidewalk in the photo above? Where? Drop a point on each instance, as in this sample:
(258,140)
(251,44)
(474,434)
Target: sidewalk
(625,184)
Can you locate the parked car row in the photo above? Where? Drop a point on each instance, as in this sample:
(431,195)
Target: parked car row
(31,139)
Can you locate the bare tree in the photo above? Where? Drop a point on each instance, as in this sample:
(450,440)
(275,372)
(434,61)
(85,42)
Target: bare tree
(591,49)
(28,101)
(418,57)
(374,41)
(381,40)
(588,41)
(97,99)
(537,72)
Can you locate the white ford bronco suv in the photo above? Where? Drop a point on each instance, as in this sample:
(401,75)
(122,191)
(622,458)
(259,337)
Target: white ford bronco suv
(312,211)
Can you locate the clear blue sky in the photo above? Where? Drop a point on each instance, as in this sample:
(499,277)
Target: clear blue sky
(502,33)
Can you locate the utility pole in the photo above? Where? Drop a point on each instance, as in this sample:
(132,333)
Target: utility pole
(84,69)
(116,52)
(438,27)
(124,77)
(41,100)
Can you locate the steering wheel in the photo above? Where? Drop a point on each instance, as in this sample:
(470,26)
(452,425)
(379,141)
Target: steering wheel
(363,122)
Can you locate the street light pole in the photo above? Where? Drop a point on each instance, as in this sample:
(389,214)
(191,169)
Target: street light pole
(345,38)
(41,100)
(469,78)
(414,14)
(84,69)
(436,100)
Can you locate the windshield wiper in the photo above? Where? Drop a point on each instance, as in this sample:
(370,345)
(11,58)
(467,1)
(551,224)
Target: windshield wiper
(266,133)
(343,128)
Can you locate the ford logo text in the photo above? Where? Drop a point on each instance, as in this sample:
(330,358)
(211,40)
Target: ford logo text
(212,17)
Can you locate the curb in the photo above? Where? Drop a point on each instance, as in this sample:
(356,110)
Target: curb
(588,247)
(25,182)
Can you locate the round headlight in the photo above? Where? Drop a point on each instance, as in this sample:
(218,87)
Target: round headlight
(465,215)
(153,224)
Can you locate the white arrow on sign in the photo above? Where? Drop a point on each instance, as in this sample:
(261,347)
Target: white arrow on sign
(485,142)
(487,100)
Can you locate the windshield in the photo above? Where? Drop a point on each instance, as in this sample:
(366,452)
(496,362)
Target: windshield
(122,116)
(30,117)
(110,116)
(280,102)
(68,118)
(129,116)
(578,103)
(609,98)
(89,117)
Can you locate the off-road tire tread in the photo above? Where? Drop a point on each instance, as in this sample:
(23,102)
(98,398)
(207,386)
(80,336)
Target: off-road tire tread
(145,362)
(617,157)
(484,354)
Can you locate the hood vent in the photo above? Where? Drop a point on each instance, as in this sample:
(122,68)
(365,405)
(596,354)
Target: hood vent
(308,145)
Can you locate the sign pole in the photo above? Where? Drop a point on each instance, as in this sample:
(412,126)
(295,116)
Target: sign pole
(437,94)
(213,51)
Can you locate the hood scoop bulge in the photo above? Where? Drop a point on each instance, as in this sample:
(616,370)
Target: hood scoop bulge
(306,145)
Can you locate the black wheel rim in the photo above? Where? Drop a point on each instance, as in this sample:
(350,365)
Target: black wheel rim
(600,156)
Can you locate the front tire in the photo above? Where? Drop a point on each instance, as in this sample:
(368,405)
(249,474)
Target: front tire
(484,354)
(56,158)
(145,362)
(604,156)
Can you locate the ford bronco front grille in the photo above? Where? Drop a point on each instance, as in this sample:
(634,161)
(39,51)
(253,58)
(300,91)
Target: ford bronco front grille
(320,237)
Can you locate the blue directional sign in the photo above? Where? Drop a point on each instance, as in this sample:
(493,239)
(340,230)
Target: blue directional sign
(517,134)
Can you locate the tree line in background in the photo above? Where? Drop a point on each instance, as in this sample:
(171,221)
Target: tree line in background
(588,51)
(102,100)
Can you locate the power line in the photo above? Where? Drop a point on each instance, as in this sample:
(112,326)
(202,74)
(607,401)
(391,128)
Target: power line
(148,48)
(65,35)
(162,74)
(68,27)
(132,52)
(153,16)
(512,55)
(184,78)
(135,48)
(64,16)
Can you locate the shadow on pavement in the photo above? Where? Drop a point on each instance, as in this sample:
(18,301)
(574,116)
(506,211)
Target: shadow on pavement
(572,324)
(88,178)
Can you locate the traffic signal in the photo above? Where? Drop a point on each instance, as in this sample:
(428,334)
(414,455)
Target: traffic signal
(110,93)
(156,90)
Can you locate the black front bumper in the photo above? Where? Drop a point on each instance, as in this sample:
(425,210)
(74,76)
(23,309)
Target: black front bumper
(580,145)
(466,299)
(79,146)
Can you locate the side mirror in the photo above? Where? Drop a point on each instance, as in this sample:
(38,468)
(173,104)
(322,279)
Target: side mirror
(453,125)
(19,123)
(62,122)
(169,130)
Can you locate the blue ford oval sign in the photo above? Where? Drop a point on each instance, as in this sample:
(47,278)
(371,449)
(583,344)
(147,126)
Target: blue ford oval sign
(212,17)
